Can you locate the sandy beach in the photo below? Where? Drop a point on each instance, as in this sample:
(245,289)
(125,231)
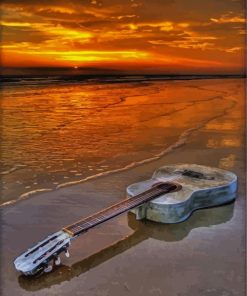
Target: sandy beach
(202,256)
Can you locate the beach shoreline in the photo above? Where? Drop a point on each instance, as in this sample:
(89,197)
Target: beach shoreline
(197,257)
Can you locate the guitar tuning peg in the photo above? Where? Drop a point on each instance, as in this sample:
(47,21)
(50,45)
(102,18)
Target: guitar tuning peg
(48,268)
(67,253)
(57,261)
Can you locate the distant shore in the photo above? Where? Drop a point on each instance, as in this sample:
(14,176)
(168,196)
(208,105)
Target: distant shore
(13,76)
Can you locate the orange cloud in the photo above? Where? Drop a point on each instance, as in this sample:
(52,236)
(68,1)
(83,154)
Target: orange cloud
(228,19)
(233,49)
(163,26)
(123,33)
(76,56)
(53,30)
(59,9)
(15,24)
(120,17)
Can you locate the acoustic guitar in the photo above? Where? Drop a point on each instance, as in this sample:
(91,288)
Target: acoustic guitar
(170,196)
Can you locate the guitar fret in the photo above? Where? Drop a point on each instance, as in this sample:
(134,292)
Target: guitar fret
(120,207)
(128,204)
(117,209)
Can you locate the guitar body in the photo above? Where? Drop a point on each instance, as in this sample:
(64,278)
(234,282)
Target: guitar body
(202,187)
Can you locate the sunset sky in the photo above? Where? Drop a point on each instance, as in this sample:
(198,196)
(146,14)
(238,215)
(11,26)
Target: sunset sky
(144,36)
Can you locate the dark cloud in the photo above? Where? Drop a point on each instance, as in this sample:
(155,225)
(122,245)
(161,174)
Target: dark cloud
(22,34)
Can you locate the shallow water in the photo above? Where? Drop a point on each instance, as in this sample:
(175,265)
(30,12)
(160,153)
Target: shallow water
(59,134)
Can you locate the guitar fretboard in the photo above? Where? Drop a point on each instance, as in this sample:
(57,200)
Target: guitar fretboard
(119,208)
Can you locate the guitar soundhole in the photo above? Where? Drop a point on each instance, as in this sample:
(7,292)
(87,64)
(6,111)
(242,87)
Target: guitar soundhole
(169,187)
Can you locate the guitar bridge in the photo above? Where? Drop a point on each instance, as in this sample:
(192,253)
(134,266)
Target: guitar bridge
(197,175)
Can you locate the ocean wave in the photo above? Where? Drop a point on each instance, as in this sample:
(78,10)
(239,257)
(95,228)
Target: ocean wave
(180,142)
(13,169)
(28,80)
(26,195)
(183,138)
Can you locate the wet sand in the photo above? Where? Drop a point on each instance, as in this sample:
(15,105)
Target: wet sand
(201,256)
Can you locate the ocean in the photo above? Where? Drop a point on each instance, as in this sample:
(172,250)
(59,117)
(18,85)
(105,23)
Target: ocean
(62,130)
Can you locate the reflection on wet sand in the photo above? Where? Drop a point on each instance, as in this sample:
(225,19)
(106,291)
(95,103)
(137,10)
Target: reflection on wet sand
(227,162)
(142,231)
(226,141)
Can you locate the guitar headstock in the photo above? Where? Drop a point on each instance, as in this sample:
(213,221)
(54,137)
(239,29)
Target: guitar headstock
(39,257)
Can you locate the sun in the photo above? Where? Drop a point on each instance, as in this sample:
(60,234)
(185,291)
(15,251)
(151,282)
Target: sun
(75,67)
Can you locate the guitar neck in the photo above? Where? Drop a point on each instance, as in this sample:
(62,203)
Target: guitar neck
(119,208)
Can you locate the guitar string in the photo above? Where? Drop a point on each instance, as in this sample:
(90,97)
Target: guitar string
(143,195)
(86,220)
(93,219)
(98,218)
(109,212)
(105,213)
(118,208)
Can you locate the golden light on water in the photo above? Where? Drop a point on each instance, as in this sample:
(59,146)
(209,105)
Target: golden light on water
(65,131)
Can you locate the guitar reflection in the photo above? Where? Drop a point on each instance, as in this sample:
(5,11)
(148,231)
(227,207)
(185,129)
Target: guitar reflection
(143,230)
